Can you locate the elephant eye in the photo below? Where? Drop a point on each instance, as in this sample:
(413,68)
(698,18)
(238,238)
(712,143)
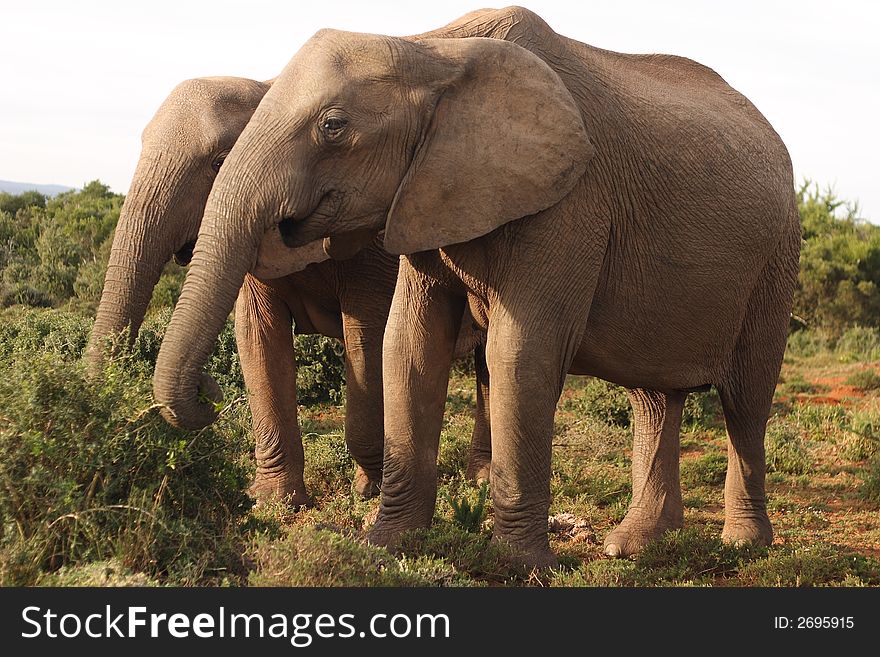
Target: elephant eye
(218,162)
(333,125)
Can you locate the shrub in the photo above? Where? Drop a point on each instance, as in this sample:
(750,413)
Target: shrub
(859,343)
(839,263)
(90,471)
(808,343)
(702,410)
(25,331)
(603,401)
(320,369)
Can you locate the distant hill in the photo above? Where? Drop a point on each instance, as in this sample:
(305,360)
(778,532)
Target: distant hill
(19,187)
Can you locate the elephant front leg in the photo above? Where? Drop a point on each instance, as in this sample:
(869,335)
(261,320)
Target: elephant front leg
(264,335)
(656,500)
(417,355)
(527,374)
(364,426)
(480,456)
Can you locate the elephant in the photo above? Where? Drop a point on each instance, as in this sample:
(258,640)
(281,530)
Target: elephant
(183,149)
(629,217)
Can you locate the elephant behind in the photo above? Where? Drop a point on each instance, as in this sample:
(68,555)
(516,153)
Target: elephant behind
(183,149)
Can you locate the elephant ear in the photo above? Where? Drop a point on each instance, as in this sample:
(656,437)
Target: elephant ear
(504,140)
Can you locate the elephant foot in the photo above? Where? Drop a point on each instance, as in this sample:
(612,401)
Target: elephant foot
(387,534)
(529,555)
(265,491)
(752,530)
(478,470)
(365,485)
(638,529)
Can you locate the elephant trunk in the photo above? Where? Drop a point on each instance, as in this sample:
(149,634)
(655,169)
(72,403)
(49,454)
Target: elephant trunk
(224,253)
(143,243)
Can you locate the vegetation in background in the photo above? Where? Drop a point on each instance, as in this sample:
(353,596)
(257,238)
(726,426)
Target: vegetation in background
(96,489)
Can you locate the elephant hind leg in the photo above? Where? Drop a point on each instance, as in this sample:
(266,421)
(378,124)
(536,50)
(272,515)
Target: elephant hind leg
(656,502)
(746,393)
(480,456)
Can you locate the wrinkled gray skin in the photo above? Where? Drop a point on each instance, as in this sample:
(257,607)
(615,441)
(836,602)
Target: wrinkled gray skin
(183,148)
(624,216)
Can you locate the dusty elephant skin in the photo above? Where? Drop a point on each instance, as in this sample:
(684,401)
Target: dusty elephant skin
(183,149)
(629,217)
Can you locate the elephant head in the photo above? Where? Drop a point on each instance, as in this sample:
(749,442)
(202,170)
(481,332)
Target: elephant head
(184,146)
(434,141)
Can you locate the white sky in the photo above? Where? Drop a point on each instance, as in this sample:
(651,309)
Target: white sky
(81,79)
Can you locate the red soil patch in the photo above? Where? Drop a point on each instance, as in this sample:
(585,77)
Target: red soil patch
(839,393)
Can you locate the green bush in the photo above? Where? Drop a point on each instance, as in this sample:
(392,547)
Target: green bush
(320,369)
(55,251)
(808,343)
(25,331)
(859,343)
(839,264)
(702,410)
(90,471)
(602,401)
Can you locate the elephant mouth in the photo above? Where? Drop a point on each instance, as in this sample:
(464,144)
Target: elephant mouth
(184,256)
(299,231)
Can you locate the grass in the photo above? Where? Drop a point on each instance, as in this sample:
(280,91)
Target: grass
(96,490)
(864,380)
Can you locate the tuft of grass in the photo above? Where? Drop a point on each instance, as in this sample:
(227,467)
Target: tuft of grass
(329,467)
(318,557)
(819,420)
(864,380)
(870,487)
(707,470)
(98,573)
(786,451)
(473,555)
(813,565)
(797,385)
(599,572)
(692,555)
(864,439)
(466,515)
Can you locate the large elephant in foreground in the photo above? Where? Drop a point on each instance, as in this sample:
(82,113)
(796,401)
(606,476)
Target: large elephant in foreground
(184,146)
(628,217)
